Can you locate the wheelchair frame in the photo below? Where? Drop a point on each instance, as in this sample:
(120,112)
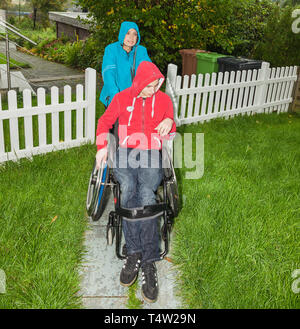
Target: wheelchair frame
(97,197)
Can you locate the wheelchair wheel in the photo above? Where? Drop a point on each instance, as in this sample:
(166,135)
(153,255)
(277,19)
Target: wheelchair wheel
(98,190)
(172,188)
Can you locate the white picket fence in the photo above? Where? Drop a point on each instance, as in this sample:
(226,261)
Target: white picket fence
(83,122)
(231,93)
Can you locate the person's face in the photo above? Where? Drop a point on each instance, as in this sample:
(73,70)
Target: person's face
(130,38)
(149,90)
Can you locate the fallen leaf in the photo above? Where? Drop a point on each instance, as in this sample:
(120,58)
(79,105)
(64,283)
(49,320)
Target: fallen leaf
(53,219)
(168,259)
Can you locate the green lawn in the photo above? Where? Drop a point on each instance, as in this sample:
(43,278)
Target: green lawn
(237,236)
(42,218)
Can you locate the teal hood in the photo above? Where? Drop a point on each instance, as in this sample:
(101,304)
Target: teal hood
(125,27)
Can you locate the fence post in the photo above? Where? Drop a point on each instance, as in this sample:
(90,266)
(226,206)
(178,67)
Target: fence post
(90,96)
(261,91)
(296,93)
(170,89)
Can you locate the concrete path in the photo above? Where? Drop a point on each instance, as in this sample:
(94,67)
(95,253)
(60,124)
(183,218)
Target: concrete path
(46,74)
(100,273)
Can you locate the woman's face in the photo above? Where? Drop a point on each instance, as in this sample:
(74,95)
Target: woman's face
(130,38)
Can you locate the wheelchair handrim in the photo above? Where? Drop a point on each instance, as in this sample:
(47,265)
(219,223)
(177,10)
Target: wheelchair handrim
(102,186)
(94,189)
(90,193)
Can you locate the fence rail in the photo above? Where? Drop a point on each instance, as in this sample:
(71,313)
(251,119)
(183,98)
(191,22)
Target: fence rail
(26,131)
(205,97)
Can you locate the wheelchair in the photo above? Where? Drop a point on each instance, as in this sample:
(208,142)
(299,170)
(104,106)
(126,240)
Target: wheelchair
(102,182)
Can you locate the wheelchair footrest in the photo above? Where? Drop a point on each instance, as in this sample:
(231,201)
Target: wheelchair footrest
(139,213)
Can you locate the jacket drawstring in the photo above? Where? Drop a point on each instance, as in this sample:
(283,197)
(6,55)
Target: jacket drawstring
(130,109)
(153,101)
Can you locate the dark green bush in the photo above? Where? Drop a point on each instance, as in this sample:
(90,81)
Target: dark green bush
(72,53)
(82,54)
(280,45)
(226,26)
(24,23)
(11,19)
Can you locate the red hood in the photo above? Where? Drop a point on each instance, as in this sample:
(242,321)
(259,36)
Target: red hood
(146,73)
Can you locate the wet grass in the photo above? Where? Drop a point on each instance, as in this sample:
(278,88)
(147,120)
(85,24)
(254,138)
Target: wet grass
(42,218)
(237,236)
(133,302)
(13,64)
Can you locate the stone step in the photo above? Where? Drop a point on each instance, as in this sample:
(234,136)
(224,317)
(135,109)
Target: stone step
(18,81)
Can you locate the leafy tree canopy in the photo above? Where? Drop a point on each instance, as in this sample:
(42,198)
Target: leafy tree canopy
(225,26)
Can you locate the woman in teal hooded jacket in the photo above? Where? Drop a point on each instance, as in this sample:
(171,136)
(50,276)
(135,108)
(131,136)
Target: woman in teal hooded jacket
(119,59)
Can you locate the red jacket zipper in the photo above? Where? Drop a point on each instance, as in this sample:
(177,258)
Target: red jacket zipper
(143,115)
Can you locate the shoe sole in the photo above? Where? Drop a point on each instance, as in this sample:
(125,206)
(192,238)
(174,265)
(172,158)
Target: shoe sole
(128,284)
(147,299)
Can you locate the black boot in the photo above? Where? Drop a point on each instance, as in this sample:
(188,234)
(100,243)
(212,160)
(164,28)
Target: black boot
(149,284)
(130,269)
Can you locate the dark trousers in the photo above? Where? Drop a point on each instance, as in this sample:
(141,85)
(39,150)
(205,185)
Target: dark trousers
(139,173)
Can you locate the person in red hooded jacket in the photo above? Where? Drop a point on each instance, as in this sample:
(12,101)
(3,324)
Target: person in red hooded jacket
(145,117)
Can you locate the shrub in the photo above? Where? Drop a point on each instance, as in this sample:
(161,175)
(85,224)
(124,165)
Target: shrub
(227,26)
(279,46)
(25,23)
(72,53)
(82,54)
(11,19)
(38,36)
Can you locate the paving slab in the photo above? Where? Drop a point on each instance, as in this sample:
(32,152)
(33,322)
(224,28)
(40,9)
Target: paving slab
(97,303)
(167,297)
(100,285)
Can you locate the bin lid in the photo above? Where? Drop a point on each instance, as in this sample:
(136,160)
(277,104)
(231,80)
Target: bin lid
(251,61)
(209,56)
(236,60)
(192,51)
